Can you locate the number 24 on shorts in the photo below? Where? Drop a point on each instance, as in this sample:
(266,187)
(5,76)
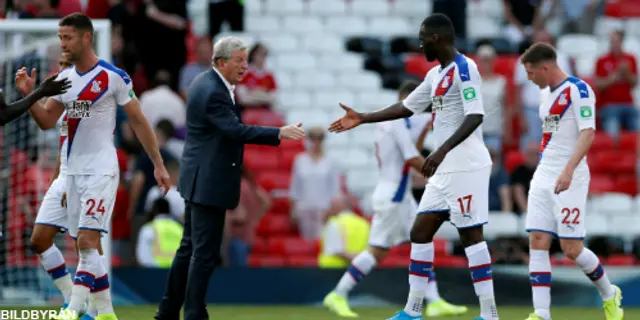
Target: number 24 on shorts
(92,205)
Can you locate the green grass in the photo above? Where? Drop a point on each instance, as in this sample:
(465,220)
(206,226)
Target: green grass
(313,313)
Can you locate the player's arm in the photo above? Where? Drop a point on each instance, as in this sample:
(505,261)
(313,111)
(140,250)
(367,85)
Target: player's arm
(9,112)
(142,128)
(584,111)
(409,152)
(418,101)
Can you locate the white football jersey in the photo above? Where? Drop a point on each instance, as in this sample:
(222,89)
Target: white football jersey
(393,147)
(91,104)
(64,129)
(454,92)
(565,111)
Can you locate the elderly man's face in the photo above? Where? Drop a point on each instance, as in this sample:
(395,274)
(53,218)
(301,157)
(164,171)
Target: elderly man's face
(234,68)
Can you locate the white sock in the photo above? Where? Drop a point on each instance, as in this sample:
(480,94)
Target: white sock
(101,293)
(419,271)
(52,261)
(84,279)
(359,268)
(432,294)
(590,264)
(540,278)
(91,308)
(482,276)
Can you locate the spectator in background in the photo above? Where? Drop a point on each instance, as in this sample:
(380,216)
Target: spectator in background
(120,222)
(176,203)
(162,103)
(242,221)
(456,10)
(580,14)
(344,236)
(523,18)
(47,9)
(174,145)
(258,87)
(522,175)
(159,238)
(143,179)
(231,11)
(527,93)
(204,52)
(500,197)
(616,76)
(494,88)
(315,181)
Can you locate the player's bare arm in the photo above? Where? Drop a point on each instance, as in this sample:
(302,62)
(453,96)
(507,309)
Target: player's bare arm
(585,139)
(45,114)
(416,163)
(49,87)
(147,137)
(352,119)
(471,123)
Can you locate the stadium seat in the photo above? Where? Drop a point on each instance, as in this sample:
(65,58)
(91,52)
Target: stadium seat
(330,98)
(257,160)
(628,141)
(632,28)
(483,27)
(274,180)
(625,225)
(451,262)
(338,140)
(442,247)
(503,224)
(323,42)
(285,7)
(274,225)
(266,261)
(627,184)
(280,206)
(287,157)
(411,8)
(261,24)
(613,204)
(505,65)
(319,80)
(327,7)
(293,100)
(285,80)
(395,262)
(280,43)
(597,224)
(260,246)
(390,26)
(585,66)
(576,45)
(402,250)
(601,183)
(302,261)
(384,64)
(416,65)
(262,117)
(362,80)
(311,118)
(613,162)
(621,260)
(352,25)
(302,25)
(364,44)
(343,62)
(605,25)
(404,44)
(296,61)
(602,142)
(291,145)
(290,246)
(369,8)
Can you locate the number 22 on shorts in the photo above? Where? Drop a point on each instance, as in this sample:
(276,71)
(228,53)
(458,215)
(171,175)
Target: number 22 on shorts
(92,205)
(571,216)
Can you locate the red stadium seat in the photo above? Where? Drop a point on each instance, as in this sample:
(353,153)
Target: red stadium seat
(627,183)
(441,246)
(288,144)
(403,250)
(302,261)
(417,65)
(280,205)
(562,261)
(262,117)
(271,225)
(260,246)
(287,159)
(513,160)
(266,261)
(613,162)
(290,246)
(505,65)
(258,161)
(395,262)
(271,180)
(628,141)
(602,142)
(450,261)
(621,260)
(601,183)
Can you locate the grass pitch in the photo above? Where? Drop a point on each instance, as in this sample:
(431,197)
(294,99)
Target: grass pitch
(318,313)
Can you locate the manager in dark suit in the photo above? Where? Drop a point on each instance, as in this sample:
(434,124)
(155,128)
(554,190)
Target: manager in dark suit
(210,176)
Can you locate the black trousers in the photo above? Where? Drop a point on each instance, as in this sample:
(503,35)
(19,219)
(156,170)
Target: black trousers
(231,11)
(195,260)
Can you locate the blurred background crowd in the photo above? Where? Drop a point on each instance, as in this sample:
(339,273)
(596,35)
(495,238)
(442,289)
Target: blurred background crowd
(305,56)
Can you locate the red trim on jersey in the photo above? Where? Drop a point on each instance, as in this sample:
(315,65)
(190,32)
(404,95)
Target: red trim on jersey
(88,93)
(556,109)
(440,91)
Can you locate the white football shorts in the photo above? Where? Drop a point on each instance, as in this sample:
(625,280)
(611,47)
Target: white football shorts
(392,221)
(90,201)
(464,195)
(51,212)
(562,215)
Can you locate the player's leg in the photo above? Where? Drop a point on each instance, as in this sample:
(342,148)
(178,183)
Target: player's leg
(436,305)
(570,216)
(541,225)
(467,195)
(432,212)
(52,219)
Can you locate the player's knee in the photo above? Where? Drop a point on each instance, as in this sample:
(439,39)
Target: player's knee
(471,236)
(88,239)
(571,248)
(539,241)
(39,244)
(418,235)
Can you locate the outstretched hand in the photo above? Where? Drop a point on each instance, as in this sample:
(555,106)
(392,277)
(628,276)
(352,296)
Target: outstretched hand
(350,120)
(24,82)
(51,86)
(293,132)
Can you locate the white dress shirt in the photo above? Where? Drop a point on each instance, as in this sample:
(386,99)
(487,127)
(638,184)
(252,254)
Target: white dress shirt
(229,86)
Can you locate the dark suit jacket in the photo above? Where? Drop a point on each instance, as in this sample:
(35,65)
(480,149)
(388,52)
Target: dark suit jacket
(214,144)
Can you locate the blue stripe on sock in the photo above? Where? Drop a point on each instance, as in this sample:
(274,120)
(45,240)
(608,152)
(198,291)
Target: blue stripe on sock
(355,273)
(596,274)
(83,278)
(540,279)
(420,268)
(58,272)
(481,273)
(100,284)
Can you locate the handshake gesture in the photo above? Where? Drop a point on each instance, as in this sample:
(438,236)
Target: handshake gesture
(293,132)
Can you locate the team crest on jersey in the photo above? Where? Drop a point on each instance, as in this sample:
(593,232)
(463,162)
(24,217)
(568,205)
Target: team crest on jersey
(437,104)
(551,123)
(445,82)
(95,86)
(80,109)
(563,100)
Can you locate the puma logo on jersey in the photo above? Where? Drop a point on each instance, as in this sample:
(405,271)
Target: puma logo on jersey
(95,86)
